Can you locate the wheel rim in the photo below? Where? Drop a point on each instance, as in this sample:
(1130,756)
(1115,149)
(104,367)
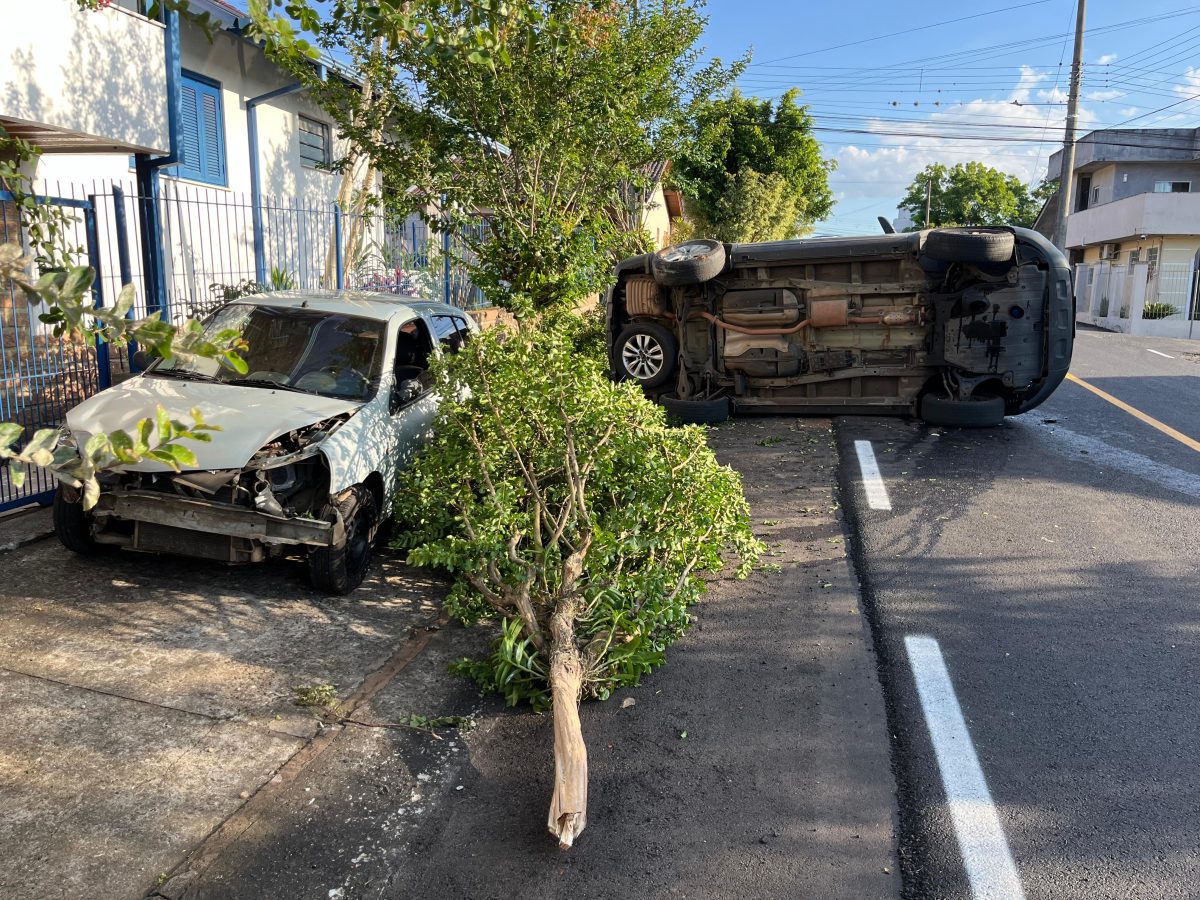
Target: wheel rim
(643,356)
(684,252)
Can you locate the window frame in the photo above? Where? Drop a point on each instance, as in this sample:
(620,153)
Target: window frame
(1168,187)
(200,173)
(455,339)
(326,140)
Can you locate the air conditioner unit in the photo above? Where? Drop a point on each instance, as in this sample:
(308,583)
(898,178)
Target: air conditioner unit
(1110,251)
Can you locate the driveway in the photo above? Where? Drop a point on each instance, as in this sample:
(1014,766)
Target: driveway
(146,699)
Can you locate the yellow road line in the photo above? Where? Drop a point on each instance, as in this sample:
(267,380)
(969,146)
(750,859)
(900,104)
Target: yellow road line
(1138,414)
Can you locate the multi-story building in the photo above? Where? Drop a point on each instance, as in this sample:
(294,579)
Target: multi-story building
(1133,230)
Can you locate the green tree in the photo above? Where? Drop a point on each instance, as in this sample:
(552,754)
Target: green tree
(562,503)
(973,194)
(543,121)
(752,169)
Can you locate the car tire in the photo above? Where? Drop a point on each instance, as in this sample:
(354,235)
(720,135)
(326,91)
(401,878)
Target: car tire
(339,570)
(645,353)
(969,246)
(692,262)
(695,412)
(73,525)
(984,413)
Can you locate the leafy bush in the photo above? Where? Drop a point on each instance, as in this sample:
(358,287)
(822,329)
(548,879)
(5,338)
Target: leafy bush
(1159,310)
(562,504)
(544,456)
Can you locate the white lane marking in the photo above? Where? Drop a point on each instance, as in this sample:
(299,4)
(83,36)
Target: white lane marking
(985,853)
(1159,353)
(877,495)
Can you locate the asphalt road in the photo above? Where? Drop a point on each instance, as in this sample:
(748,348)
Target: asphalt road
(1054,562)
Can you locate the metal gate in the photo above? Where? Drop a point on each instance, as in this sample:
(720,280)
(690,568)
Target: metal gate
(41,376)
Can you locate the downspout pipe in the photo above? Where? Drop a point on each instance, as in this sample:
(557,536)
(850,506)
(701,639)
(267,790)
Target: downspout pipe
(256,207)
(147,171)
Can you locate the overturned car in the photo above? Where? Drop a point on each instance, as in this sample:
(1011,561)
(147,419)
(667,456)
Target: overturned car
(958,326)
(336,400)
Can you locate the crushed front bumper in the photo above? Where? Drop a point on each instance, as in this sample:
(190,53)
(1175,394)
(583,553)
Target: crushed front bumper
(203,528)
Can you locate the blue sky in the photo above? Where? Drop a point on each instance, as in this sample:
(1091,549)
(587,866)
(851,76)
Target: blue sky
(946,92)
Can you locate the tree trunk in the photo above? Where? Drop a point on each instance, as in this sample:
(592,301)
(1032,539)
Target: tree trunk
(568,805)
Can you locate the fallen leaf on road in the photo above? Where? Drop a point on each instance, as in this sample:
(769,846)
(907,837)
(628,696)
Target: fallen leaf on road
(628,702)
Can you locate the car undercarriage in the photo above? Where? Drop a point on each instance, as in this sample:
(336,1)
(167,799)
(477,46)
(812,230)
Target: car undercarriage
(973,324)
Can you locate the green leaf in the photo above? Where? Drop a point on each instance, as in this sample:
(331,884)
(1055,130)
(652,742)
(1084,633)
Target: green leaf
(122,447)
(236,363)
(125,301)
(166,430)
(9,433)
(91,492)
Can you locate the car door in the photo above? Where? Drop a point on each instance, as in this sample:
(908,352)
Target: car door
(412,405)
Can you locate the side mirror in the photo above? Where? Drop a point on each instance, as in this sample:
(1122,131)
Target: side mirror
(405,393)
(142,359)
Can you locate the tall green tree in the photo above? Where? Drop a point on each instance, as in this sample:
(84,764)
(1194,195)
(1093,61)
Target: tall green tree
(752,169)
(971,193)
(543,121)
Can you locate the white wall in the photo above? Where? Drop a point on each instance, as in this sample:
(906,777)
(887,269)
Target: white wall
(96,74)
(1152,214)
(243,72)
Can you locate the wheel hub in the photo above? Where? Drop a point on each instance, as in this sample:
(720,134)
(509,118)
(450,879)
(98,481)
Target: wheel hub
(643,356)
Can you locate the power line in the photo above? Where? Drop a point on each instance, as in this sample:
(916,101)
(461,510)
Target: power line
(881,37)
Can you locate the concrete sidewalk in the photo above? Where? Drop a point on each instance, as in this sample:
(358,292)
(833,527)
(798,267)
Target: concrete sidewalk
(149,691)
(148,698)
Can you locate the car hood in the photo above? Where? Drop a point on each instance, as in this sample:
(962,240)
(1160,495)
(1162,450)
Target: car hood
(248,416)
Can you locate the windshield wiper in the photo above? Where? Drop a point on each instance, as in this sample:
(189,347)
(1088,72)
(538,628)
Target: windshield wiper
(267,382)
(182,375)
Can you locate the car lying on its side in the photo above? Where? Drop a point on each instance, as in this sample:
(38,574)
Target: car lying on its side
(958,326)
(336,401)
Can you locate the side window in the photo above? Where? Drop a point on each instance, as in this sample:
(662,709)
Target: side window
(315,145)
(452,332)
(413,346)
(201,131)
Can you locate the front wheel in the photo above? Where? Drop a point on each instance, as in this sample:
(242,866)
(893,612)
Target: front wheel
(695,412)
(340,569)
(984,413)
(72,523)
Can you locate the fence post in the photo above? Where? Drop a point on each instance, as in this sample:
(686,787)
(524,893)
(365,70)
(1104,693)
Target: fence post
(150,221)
(126,270)
(446,265)
(337,246)
(93,251)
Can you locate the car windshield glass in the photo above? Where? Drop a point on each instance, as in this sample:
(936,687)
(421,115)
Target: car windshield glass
(304,350)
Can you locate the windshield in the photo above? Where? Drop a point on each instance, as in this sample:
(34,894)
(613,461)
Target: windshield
(303,350)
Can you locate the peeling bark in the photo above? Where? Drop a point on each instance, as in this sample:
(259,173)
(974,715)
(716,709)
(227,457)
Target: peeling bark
(568,805)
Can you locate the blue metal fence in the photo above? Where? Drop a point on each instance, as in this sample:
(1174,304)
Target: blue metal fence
(206,241)
(42,377)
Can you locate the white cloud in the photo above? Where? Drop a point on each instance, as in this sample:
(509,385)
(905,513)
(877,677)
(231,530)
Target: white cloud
(1190,86)
(881,172)
(1107,58)
(1101,96)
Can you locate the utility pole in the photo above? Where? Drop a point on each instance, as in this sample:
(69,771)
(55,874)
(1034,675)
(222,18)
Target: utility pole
(1068,155)
(928,198)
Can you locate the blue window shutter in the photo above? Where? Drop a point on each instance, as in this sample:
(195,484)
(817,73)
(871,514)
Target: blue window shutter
(214,152)
(189,135)
(201,132)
